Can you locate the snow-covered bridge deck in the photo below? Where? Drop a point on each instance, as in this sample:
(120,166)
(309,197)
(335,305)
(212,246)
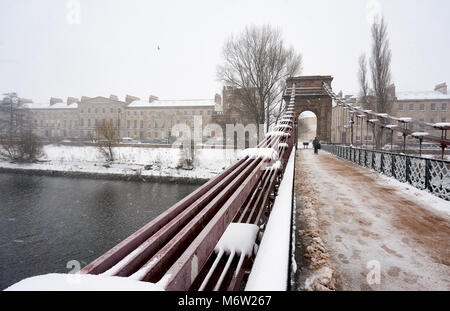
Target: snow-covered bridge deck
(352,222)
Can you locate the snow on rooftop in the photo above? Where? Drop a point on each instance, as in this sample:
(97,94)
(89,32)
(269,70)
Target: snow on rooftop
(391,126)
(425,95)
(82,282)
(173,103)
(48,106)
(270,269)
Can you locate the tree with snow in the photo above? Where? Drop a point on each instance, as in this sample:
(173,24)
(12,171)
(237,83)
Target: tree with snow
(107,136)
(257,64)
(17,140)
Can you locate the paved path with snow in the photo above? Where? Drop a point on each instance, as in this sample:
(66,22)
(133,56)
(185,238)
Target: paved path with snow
(366,218)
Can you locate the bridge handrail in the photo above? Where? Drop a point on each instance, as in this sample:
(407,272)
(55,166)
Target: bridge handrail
(432,175)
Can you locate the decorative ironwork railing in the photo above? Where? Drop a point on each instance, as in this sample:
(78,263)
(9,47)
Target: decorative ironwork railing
(422,173)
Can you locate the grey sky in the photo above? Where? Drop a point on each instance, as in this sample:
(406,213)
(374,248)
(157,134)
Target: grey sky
(113,50)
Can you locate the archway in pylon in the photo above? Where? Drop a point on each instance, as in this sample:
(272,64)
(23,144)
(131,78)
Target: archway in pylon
(306,127)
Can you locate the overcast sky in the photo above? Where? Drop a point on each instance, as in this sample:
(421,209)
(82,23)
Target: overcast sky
(111,47)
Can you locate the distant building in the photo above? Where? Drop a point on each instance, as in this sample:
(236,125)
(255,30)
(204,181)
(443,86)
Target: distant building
(428,106)
(150,119)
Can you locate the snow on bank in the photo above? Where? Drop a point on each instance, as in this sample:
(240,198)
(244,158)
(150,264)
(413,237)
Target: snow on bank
(130,161)
(270,270)
(82,282)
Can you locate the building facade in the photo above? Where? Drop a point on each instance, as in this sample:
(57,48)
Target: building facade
(429,106)
(145,120)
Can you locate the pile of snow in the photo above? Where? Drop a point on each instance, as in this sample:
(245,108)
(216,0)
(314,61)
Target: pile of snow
(276,166)
(280,126)
(238,238)
(442,124)
(265,153)
(283,145)
(82,282)
(277,133)
(420,134)
(270,269)
(405,119)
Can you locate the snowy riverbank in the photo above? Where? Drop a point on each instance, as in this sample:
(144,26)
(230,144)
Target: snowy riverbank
(132,163)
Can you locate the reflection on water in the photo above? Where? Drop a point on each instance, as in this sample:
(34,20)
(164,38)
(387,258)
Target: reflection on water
(48,221)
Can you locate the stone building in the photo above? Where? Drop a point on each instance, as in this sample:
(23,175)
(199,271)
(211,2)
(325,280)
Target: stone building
(427,106)
(149,120)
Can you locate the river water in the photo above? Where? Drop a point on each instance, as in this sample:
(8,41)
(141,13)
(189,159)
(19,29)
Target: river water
(48,221)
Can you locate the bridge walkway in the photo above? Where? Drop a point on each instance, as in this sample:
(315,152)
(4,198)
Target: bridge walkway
(352,222)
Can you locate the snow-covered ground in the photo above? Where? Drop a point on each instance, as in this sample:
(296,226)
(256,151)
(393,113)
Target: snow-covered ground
(380,234)
(130,161)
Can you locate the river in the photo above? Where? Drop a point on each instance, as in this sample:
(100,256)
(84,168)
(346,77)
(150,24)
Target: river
(48,221)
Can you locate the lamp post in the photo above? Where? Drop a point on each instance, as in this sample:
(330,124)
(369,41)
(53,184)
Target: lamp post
(351,121)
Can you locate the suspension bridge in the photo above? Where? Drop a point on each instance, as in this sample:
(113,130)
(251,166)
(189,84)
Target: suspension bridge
(197,244)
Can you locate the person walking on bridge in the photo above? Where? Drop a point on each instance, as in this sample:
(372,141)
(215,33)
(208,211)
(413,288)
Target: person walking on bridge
(316,145)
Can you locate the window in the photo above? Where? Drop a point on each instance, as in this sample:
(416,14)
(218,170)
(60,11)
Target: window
(185,112)
(111,110)
(119,110)
(444,106)
(128,126)
(209,112)
(135,113)
(431,120)
(135,122)
(82,111)
(64,123)
(142,113)
(96,110)
(411,107)
(42,123)
(433,107)
(422,107)
(142,124)
(104,110)
(156,124)
(82,122)
(444,119)
(193,112)
(89,110)
(89,122)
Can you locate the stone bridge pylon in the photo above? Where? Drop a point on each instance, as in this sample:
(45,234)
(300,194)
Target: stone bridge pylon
(311,96)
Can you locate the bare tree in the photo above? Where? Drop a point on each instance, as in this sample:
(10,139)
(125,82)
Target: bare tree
(17,140)
(380,64)
(106,133)
(363,80)
(257,63)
